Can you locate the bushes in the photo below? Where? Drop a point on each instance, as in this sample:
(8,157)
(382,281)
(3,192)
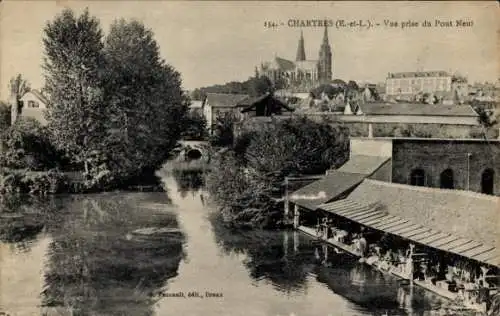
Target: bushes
(36,183)
(246,179)
(26,146)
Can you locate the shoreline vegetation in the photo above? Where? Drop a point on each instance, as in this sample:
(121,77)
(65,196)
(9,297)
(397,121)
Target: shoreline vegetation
(115,112)
(246,179)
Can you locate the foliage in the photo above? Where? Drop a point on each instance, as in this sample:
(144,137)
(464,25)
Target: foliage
(26,145)
(330,90)
(223,132)
(259,86)
(486,117)
(254,86)
(73,60)
(297,145)
(195,126)
(144,97)
(5,116)
(36,183)
(115,105)
(17,88)
(246,179)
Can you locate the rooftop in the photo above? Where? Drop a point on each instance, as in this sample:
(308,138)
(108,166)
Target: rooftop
(331,186)
(249,103)
(224,99)
(413,74)
(417,109)
(38,94)
(363,164)
(420,139)
(462,213)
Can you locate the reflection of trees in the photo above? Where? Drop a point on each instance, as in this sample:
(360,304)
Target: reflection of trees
(188,180)
(96,267)
(270,254)
(361,284)
(23,217)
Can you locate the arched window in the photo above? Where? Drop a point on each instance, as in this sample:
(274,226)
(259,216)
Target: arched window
(446,180)
(487,181)
(417,177)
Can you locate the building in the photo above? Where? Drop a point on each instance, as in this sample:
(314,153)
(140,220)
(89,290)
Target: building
(459,164)
(406,119)
(216,105)
(412,83)
(196,107)
(265,105)
(301,72)
(32,104)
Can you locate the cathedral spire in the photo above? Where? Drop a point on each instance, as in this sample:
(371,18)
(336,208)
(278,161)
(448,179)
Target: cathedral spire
(325,59)
(325,36)
(301,52)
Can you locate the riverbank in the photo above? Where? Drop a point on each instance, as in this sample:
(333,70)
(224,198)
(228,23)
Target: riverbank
(21,181)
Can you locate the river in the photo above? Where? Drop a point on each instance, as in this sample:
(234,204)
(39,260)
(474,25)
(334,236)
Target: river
(87,255)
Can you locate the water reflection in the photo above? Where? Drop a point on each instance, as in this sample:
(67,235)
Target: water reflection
(269,255)
(97,265)
(188,180)
(116,253)
(22,219)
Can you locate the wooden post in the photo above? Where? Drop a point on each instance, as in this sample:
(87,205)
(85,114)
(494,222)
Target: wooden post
(296,241)
(287,203)
(296,215)
(411,264)
(285,243)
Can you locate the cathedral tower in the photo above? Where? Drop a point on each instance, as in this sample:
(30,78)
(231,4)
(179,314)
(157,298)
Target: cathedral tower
(301,52)
(325,59)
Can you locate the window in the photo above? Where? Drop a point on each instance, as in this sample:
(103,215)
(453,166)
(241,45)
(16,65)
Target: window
(487,181)
(417,177)
(446,179)
(32,104)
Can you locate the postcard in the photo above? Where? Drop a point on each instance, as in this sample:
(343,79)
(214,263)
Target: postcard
(263,158)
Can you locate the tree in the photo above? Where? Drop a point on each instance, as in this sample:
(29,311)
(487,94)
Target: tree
(26,145)
(224,130)
(115,105)
(144,97)
(5,116)
(297,145)
(195,126)
(260,85)
(17,88)
(72,64)
(245,179)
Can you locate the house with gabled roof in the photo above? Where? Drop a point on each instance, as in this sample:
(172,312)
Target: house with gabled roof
(33,104)
(219,104)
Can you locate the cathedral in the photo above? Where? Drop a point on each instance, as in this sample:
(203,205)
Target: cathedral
(301,73)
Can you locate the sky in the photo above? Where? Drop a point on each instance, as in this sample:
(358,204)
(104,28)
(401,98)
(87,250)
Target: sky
(220,41)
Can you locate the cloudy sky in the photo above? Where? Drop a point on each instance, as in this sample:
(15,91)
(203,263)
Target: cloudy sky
(216,42)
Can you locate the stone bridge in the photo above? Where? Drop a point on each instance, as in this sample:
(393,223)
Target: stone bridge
(193,150)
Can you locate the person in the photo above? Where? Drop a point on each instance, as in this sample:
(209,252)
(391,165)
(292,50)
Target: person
(363,246)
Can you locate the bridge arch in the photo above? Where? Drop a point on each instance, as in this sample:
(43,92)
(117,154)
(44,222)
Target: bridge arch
(193,150)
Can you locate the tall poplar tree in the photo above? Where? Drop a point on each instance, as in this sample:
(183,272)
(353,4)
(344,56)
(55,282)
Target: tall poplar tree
(146,104)
(72,63)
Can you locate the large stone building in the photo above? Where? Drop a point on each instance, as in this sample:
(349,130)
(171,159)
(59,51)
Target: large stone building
(301,72)
(459,164)
(407,85)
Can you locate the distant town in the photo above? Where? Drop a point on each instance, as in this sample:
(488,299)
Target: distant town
(309,86)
